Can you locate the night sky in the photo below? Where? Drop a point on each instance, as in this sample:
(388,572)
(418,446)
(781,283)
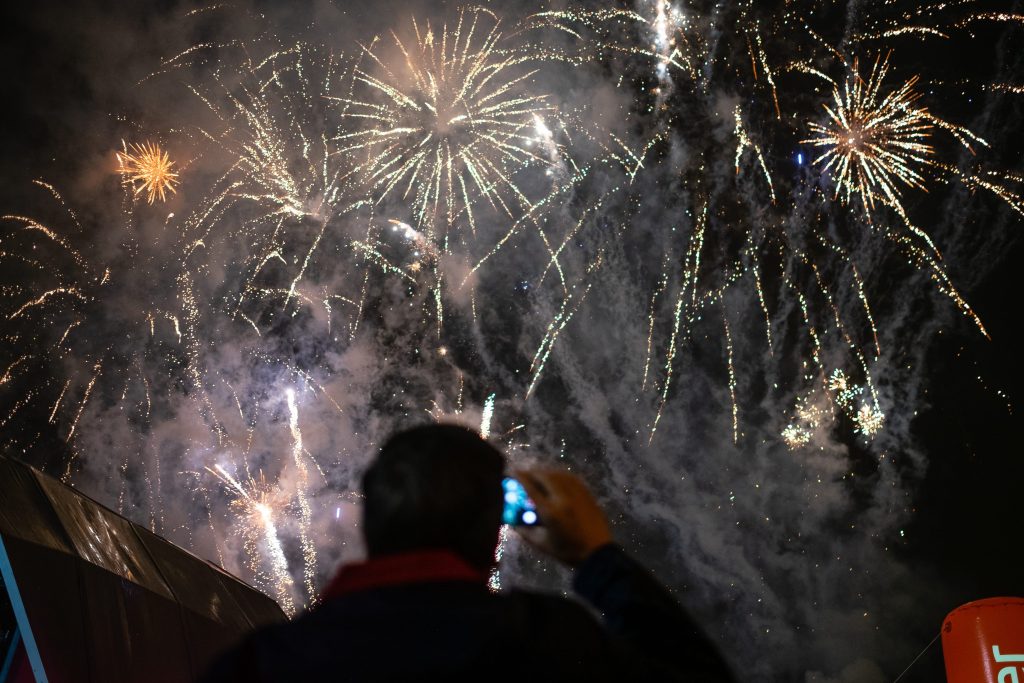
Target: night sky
(834,560)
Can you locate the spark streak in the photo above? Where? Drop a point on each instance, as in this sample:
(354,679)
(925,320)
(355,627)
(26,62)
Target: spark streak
(263,517)
(485,418)
(306,514)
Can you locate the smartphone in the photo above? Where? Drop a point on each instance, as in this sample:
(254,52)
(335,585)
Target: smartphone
(519,509)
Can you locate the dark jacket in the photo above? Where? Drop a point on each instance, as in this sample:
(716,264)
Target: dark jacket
(450,627)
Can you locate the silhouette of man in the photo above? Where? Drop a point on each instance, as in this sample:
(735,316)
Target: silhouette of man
(419,607)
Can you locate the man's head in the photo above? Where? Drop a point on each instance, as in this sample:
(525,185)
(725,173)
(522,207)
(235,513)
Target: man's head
(434,487)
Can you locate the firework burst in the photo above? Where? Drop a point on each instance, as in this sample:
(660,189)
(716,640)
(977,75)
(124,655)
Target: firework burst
(147,169)
(448,124)
(872,141)
(869,420)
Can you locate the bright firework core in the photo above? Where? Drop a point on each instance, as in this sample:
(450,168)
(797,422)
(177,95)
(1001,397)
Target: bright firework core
(147,169)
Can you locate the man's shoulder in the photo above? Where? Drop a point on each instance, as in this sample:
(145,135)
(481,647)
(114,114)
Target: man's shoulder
(457,602)
(429,611)
(552,613)
(436,626)
(543,601)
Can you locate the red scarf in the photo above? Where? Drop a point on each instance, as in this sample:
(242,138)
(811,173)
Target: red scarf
(394,570)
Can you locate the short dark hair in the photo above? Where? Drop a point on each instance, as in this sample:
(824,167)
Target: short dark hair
(434,487)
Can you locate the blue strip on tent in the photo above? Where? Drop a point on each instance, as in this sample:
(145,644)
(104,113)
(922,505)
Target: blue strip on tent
(24,627)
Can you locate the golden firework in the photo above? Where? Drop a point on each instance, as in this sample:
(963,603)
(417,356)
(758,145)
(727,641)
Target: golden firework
(448,122)
(871,142)
(147,168)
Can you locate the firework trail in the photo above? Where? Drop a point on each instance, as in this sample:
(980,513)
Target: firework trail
(256,505)
(73,286)
(306,514)
(488,415)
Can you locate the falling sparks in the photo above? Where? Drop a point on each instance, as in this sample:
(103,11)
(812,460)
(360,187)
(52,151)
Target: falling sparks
(485,418)
(732,379)
(147,169)
(844,391)
(494,580)
(1009,88)
(873,142)
(743,142)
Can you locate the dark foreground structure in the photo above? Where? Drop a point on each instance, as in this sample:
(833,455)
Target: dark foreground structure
(86,595)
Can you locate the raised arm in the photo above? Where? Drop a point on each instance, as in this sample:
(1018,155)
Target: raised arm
(635,607)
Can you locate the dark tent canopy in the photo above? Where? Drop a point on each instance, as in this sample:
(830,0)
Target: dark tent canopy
(87,595)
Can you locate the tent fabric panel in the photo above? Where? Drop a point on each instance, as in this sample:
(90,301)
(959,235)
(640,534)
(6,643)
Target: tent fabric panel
(133,634)
(102,537)
(207,639)
(48,584)
(195,584)
(19,669)
(110,600)
(259,609)
(25,511)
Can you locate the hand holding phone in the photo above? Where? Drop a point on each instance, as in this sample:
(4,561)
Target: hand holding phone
(574,523)
(519,510)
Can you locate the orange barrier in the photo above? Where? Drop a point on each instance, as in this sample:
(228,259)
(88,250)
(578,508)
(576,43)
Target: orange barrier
(983,642)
